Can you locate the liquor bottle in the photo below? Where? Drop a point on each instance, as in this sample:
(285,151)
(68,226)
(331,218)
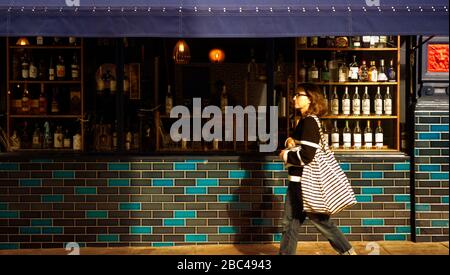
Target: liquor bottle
(15,141)
(114,137)
(223,99)
(57,41)
(25,66)
(25,139)
(303,42)
(54,108)
(47,136)
(373,72)
(387,103)
(26,108)
(333,66)
(378,102)
(76,142)
(39,40)
(325,73)
(36,140)
(366,41)
(391,75)
(347,136)
(325,97)
(335,103)
(302,72)
(169,101)
(331,42)
(33,70)
(112,83)
(326,136)
(75,68)
(353,70)
(346,102)
(366,102)
(58,138)
(51,70)
(66,141)
(42,102)
(252,67)
(356,103)
(343,72)
(368,136)
(379,136)
(60,68)
(374,40)
(313,75)
(335,136)
(314,42)
(42,70)
(72,41)
(126,85)
(363,74)
(357,136)
(356,42)
(128,140)
(382,72)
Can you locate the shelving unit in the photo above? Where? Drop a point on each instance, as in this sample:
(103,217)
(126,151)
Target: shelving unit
(390,123)
(71,119)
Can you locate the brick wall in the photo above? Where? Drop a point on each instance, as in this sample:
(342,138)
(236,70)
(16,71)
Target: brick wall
(431,157)
(48,203)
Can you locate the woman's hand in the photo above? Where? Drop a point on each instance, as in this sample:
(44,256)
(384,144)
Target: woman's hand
(290,142)
(281,154)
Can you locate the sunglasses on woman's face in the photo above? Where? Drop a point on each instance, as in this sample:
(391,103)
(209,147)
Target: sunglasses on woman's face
(299,95)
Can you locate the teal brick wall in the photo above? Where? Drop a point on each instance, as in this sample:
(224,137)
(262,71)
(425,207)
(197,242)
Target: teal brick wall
(431,155)
(176,202)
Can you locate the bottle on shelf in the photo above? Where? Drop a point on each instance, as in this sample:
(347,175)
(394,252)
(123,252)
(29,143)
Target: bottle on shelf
(252,67)
(302,42)
(26,104)
(42,70)
(314,42)
(373,72)
(36,140)
(379,136)
(366,41)
(76,142)
(75,68)
(382,42)
(313,75)
(368,136)
(33,70)
(128,140)
(356,42)
(112,83)
(15,142)
(25,66)
(343,72)
(347,136)
(57,41)
(391,75)
(302,72)
(51,70)
(223,99)
(346,102)
(330,42)
(333,67)
(39,40)
(72,41)
(67,143)
(326,136)
(48,141)
(325,97)
(58,138)
(353,71)
(382,72)
(357,136)
(335,136)
(374,40)
(42,102)
(54,105)
(325,73)
(60,68)
(366,102)
(25,139)
(335,103)
(356,103)
(378,102)
(363,74)
(387,102)
(115,136)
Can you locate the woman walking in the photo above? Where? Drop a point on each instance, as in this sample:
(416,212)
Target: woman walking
(301,149)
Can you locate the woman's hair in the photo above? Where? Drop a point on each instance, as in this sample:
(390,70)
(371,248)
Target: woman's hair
(318,106)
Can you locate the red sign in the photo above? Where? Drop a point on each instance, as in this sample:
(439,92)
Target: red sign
(438,58)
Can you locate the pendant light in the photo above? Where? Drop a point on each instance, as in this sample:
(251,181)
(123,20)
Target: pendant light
(216,55)
(181,53)
(23,41)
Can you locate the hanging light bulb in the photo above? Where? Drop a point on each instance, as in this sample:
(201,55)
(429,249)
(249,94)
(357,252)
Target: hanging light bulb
(181,52)
(216,55)
(23,41)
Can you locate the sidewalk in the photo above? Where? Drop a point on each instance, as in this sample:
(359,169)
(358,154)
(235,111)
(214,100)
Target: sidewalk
(304,248)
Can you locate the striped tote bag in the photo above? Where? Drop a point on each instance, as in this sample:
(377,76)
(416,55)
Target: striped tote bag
(325,187)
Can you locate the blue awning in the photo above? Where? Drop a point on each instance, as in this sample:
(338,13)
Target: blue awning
(222,18)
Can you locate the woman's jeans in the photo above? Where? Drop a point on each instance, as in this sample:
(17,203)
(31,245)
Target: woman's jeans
(292,221)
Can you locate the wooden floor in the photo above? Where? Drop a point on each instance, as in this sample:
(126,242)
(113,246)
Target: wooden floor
(304,248)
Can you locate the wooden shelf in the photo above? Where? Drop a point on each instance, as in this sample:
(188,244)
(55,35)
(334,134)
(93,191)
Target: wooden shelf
(44,150)
(364,150)
(350,49)
(45,81)
(46,116)
(352,83)
(49,47)
(359,117)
